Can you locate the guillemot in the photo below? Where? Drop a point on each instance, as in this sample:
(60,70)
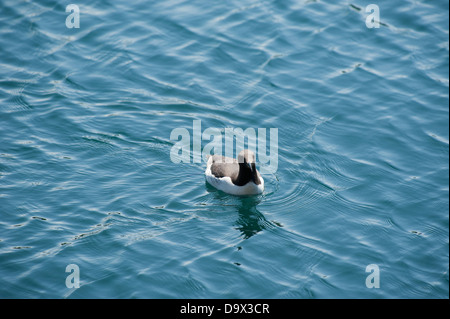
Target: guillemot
(235,177)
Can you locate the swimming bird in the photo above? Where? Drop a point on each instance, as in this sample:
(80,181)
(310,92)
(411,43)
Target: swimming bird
(235,177)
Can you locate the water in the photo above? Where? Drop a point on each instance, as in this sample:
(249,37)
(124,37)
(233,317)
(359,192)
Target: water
(86,177)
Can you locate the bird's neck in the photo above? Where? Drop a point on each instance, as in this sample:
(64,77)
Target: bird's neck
(244,176)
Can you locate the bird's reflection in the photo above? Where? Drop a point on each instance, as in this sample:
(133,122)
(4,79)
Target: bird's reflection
(250,220)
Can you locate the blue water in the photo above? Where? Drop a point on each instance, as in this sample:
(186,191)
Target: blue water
(363,149)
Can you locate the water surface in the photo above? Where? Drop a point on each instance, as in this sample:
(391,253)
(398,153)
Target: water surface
(86,177)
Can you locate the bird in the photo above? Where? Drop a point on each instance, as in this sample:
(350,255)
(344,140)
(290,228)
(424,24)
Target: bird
(235,177)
